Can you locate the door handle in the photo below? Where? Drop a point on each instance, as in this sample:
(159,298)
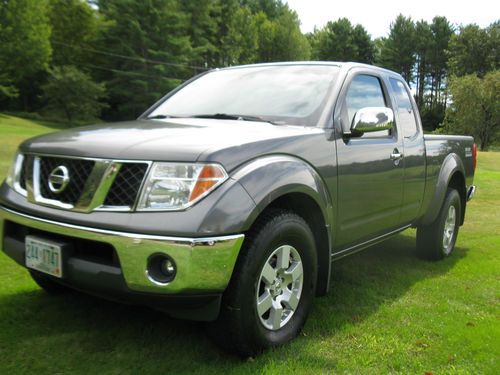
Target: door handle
(396,156)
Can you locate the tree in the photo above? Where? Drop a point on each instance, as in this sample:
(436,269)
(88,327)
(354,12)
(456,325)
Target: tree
(273,9)
(280,39)
(7,88)
(243,38)
(341,41)
(24,41)
(288,41)
(203,17)
(364,44)
(398,49)
(153,37)
(266,30)
(237,35)
(474,50)
(423,38)
(441,33)
(73,93)
(431,44)
(75,28)
(475,107)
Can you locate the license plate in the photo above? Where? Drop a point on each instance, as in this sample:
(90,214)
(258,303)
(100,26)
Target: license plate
(44,256)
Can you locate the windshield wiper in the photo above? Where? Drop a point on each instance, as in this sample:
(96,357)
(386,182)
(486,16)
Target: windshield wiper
(226,116)
(159,117)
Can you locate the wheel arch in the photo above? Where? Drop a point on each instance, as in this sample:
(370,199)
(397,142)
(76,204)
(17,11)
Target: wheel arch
(286,182)
(451,174)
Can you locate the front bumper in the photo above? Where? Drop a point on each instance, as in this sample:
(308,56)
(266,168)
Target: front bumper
(204,265)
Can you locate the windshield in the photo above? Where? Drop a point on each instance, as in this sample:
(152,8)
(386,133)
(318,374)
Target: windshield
(294,94)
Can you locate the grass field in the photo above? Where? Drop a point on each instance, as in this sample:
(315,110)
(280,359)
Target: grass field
(388,312)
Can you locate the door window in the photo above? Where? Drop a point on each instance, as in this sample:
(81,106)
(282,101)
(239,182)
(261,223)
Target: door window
(364,91)
(405,108)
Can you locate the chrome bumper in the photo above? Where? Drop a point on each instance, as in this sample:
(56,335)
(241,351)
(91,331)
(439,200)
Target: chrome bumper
(470,192)
(203,264)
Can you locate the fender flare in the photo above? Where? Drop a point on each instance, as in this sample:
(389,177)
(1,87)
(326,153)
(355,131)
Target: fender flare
(451,164)
(268,178)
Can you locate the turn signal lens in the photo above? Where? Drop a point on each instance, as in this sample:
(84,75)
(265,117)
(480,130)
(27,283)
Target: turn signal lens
(209,176)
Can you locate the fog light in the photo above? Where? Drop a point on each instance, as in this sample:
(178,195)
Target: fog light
(161,269)
(167,267)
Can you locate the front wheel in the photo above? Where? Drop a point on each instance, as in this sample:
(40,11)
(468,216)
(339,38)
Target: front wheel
(272,288)
(437,240)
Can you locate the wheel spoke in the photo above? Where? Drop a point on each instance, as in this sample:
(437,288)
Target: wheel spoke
(294,272)
(268,274)
(283,258)
(264,303)
(449,228)
(291,300)
(275,315)
(279,287)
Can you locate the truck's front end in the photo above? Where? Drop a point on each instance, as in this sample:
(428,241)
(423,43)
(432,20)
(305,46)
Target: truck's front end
(94,224)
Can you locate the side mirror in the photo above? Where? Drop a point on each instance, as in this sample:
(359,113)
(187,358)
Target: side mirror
(372,119)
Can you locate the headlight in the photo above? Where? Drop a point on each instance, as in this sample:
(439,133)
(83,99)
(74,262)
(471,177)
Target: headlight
(175,186)
(14,175)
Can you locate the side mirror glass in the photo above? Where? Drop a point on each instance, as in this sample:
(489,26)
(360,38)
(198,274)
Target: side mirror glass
(372,119)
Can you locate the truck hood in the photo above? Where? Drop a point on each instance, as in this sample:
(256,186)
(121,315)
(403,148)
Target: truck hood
(185,140)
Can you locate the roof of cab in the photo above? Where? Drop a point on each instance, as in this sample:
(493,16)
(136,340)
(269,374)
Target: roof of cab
(340,64)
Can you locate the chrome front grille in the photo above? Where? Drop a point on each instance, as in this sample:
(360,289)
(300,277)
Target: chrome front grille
(79,170)
(93,184)
(22,175)
(126,186)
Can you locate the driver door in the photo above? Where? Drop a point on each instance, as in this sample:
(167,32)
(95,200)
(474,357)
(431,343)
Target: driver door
(370,180)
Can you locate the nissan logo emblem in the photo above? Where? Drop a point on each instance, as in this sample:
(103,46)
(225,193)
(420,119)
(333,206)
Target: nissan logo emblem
(58,179)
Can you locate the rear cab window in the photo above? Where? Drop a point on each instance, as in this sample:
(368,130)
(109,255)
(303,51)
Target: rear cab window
(406,115)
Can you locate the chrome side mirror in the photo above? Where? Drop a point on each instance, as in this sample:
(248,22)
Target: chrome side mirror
(372,119)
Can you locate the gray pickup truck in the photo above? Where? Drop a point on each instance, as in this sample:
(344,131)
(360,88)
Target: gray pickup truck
(230,198)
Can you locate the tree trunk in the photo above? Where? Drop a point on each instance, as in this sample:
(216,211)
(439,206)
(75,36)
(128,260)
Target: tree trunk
(483,143)
(68,113)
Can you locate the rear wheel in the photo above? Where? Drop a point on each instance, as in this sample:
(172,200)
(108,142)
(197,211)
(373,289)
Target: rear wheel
(437,240)
(47,284)
(272,288)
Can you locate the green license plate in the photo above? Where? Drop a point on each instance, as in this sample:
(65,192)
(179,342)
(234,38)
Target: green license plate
(44,256)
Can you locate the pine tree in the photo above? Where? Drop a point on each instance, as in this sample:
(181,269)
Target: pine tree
(153,37)
(341,41)
(398,49)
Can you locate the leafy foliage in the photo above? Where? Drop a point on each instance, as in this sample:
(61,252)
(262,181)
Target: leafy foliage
(398,49)
(475,50)
(431,69)
(475,109)
(74,92)
(342,41)
(140,50)
(75,28)
(153,36)
(24,41)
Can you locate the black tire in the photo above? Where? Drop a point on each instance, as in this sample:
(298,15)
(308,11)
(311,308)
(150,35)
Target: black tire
(239,327)
(46,283)
(431,238)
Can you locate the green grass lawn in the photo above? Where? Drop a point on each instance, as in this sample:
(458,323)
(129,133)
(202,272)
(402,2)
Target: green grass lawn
(388,312)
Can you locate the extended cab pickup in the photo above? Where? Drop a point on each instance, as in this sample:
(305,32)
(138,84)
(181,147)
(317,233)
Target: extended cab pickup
(228,200)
